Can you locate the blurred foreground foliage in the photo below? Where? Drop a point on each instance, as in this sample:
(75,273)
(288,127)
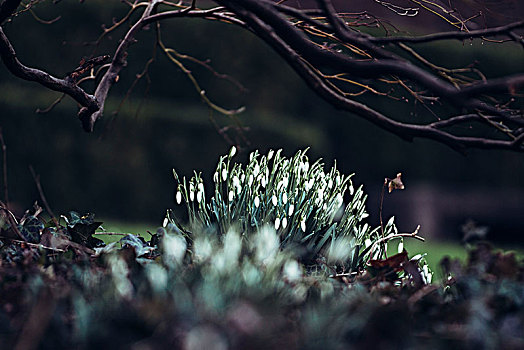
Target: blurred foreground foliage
(246,284)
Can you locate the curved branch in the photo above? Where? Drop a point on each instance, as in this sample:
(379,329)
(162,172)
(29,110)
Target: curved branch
(507,29)
(88,116)
(67,86)
(406,131)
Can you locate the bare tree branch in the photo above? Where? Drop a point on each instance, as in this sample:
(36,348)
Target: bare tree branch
(8,55)
(339,61)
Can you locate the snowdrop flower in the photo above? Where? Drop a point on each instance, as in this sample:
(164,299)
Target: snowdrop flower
(338,200)
(192,195)
(284,198)
(231,194)
(178,197)
(270,154)
(256,171)
(257,201)
(367,242)
(233,151)
(215,177)
(277,223)
(236,181)
(284,222)
(224,174)
(292,271)
(274,200)
(285,182)
(291,209)
(263,182)
(303,225)
(199,196)
(250,180)
(400,248)
(330,184)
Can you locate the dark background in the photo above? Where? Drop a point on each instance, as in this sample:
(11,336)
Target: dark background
(123,170)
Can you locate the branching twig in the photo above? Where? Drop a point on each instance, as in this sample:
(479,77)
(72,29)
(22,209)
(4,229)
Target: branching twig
(36,178)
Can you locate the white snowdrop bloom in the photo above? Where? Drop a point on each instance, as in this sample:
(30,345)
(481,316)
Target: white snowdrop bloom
(257,201)
(284,222)
(199,196)
(303,225)
(166,221)
(215,177)
(428,276)
(251,155)
(224,174)
(274,200)
(306,167)
(400,248)
(292,271)
(270,154)
(243,178)
(351,190)
(236,181)
(306,186)
(192,196)
(256,171)
(277,223)
(266,244)
(337,180)
(284,198)
(279,185)
(285,182)
(263,182)
(178,197)
(231,194)
(174,248)
(233,151)
(291,209)
(324,207)
(201,187)
(367,242)
(310,183)
(320,194)
(250,180)
(416,257)
(338,200)
(330,184)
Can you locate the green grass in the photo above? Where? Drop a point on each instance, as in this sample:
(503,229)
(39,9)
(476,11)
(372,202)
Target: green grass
(115,227)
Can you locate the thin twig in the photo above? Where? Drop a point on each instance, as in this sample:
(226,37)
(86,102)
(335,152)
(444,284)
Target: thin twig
(36,178)
(36,245)
(109,234)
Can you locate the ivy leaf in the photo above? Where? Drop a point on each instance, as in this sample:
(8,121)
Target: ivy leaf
(31,229)
(83,234)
